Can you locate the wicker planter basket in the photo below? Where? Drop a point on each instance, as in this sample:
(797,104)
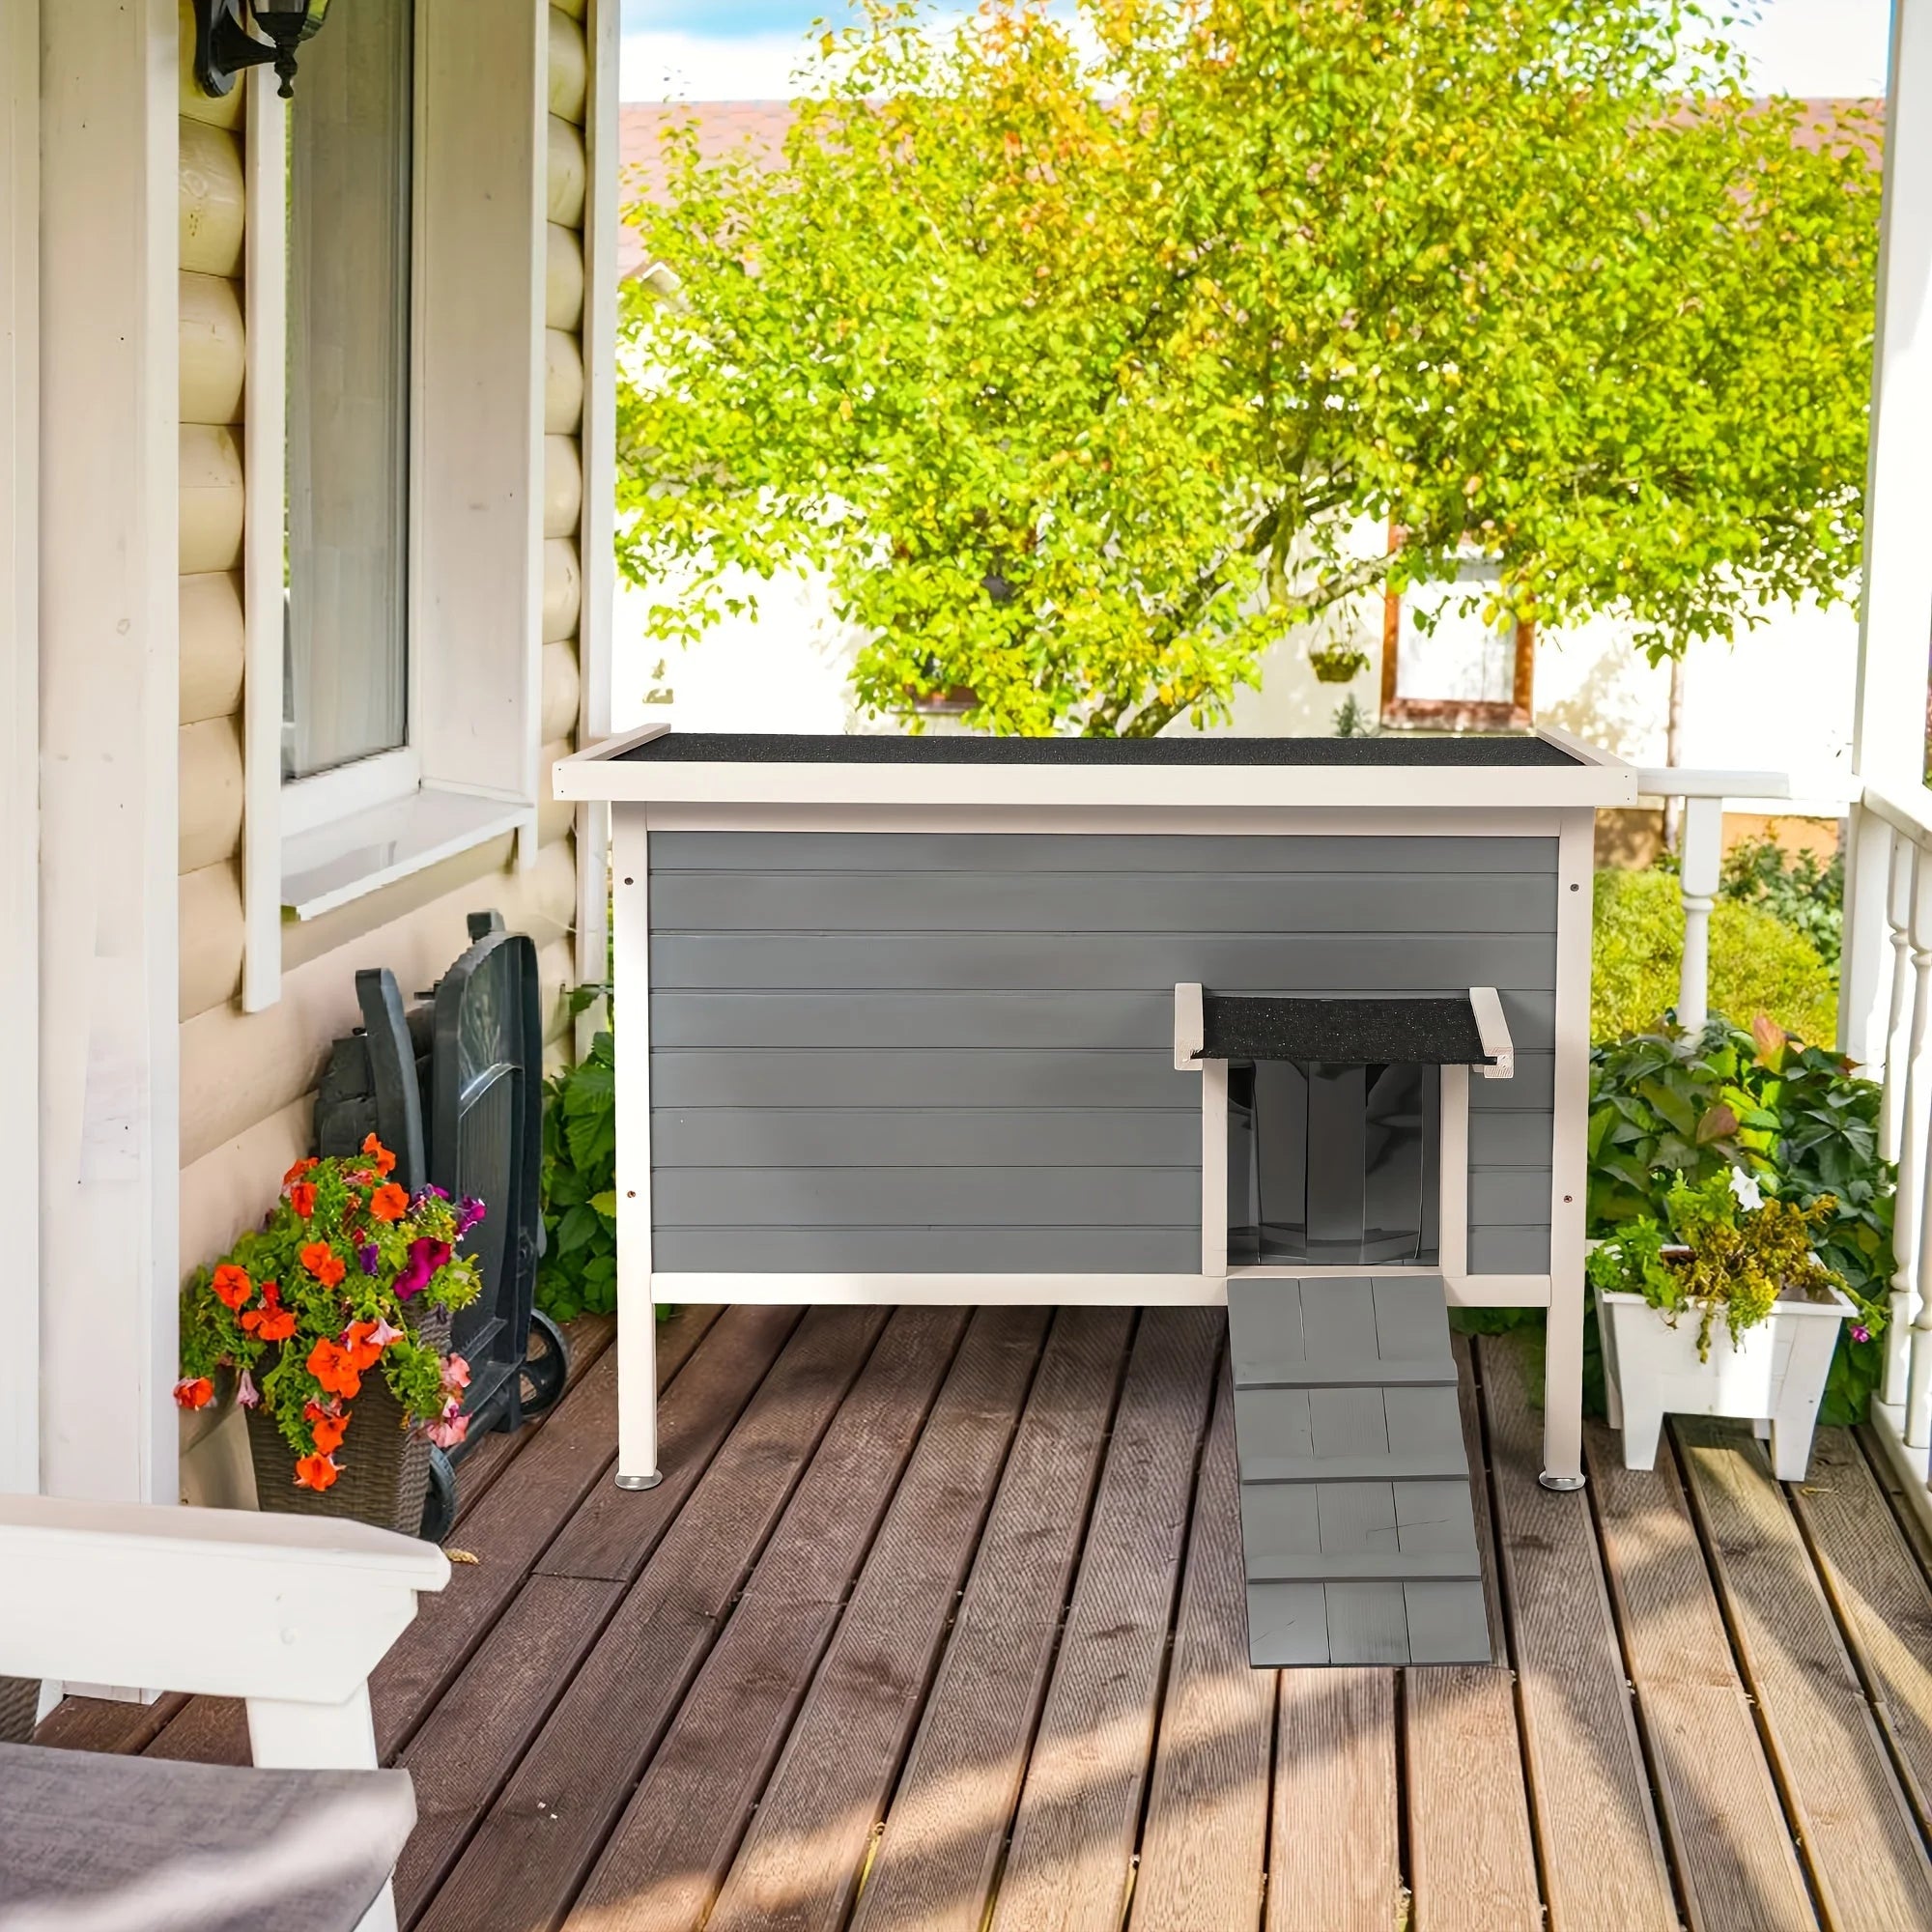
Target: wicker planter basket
(19,1702)
(385,1466)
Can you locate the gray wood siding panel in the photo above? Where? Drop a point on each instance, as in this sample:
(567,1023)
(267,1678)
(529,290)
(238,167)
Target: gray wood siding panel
(1409,960)
(990,1018)
(1509,1250)
(1084,852)
(965,1196)
(756,1137)
(927,1250)
(913,1077)
(1233,902)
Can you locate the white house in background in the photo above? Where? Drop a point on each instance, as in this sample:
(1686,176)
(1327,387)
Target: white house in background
(1782,697)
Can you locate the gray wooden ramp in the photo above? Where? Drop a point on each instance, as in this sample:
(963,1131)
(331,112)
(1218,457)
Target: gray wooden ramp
(1356,1522)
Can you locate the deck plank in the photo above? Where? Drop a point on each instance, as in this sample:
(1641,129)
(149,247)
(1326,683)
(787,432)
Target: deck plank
(1204,1849)
(533,1847)
(798,1868)
(1333,1861)
(1602,1856)
(108,1724)
(662,1865)
(1072,1859)
(1884,1606)
(1729,1843)
(516,1518)
(936,1860)
(466,1749)
(1867,1864)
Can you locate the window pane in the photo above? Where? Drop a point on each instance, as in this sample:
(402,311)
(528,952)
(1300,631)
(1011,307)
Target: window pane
(347,389)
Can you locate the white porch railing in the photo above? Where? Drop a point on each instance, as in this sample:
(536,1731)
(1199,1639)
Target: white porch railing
(1885,1022)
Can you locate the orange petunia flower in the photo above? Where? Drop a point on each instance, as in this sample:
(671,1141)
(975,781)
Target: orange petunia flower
(324,1263)
(232,1285)
(362,1352)
(315,1472)
(302,1198)
(386,1161)
(195,1392)
(296,1173)
(330,1430)
(388,1203)
(271,1322)
(331,1365)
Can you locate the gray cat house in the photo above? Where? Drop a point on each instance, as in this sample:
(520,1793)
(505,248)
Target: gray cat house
(1300,1025)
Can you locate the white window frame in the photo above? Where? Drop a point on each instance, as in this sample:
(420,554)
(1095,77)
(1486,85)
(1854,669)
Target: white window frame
(477,189)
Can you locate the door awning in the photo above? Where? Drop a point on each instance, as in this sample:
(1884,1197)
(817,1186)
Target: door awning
(1452,1030)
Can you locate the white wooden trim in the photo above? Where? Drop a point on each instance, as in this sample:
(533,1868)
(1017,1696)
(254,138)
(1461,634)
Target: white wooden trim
(1888,736)
(19,744)
(1580,749)
(308,804)
(264,482)
(1189,1026)
(947,1291)
(1563,1397)
(109,709)
(1492,1029)
(1867,993)
(1213,1168)
(597,567)
(1452,1173)
(1911,1466)
(1057,787)
(637,1293)
(345,858)
(1113,820)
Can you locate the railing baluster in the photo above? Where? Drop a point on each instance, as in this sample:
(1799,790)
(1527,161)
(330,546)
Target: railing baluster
(1898,921)
(1870,993)
(1698,878)
(1913,1142)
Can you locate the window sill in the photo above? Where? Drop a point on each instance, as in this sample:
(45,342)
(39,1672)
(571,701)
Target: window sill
(329,865)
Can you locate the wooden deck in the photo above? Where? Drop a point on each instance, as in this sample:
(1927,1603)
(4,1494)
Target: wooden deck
(936,1622)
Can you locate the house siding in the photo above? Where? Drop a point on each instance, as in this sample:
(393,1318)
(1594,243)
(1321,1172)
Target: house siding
(938,1053)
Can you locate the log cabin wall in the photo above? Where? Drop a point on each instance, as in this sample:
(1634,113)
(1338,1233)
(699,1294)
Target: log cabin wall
(247,1080)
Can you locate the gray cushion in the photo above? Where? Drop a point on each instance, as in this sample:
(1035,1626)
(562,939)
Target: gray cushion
(91,1842)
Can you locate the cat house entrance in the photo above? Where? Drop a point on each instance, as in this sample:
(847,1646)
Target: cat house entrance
(1334,1124)
(1333,1163)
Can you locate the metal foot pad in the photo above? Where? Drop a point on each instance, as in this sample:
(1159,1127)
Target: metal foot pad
(1563,1485)
(649,1482)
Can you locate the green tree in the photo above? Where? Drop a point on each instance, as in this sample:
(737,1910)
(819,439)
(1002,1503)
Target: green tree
(1079,354)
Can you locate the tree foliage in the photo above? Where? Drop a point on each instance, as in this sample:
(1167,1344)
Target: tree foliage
(1079,345)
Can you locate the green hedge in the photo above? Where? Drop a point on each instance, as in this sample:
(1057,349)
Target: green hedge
(1758,965)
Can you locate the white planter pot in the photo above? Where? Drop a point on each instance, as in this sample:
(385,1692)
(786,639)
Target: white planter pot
(1775,1377)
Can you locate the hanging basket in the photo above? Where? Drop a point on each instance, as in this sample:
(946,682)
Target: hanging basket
(384,1477)
(1338,663)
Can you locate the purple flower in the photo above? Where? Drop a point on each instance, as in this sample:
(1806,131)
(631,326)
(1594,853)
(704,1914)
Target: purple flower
(430,1191)
(425,1258)
(370,1256)
(246,1391)
(1859,1332)
(468,1214)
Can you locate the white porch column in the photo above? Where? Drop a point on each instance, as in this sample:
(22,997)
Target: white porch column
(1896,622)
(20,742)
(109,706)
(1701,860)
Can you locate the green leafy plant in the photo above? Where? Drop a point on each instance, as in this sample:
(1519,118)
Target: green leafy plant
(1670,1107)
(579,1272)
(1724,1247)
(1797,888)
(1075,342)
(1758,962)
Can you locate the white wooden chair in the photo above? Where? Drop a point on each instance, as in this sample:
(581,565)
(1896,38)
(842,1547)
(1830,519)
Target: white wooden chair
(290,1614)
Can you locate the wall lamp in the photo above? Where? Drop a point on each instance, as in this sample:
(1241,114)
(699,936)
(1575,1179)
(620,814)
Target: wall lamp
(223,45)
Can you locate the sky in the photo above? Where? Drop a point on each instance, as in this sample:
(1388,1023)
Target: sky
(746,49)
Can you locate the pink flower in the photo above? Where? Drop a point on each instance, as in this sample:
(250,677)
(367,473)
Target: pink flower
(425,1258)
(468,1214)
(382,1334)
(450,1427)
(1859,1332)
(455,1374)
(246,1391)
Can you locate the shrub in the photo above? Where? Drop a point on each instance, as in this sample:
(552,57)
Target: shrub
(1758,964)
(1796,888)
(578,1270)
